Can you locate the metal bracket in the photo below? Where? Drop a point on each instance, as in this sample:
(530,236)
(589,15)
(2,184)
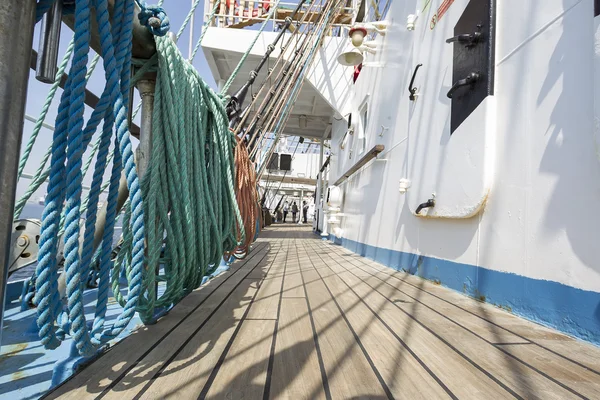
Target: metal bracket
(411,89)
(24,244)
(383,129)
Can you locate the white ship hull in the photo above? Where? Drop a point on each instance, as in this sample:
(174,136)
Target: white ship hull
(516,186)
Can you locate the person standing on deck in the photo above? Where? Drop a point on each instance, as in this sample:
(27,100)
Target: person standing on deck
(294,211)
(286,209)
(304,212)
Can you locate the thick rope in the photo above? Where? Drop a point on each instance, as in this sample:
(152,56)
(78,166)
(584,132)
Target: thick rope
(69,141)
(204,29)
(154,18)
(42,173)
(188,189)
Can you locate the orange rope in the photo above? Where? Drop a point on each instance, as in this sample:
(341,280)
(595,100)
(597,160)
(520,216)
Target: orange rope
(247,197)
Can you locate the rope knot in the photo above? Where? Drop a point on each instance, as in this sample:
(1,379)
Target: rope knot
(155,19)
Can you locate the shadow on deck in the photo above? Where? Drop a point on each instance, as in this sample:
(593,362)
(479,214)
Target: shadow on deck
(303,319)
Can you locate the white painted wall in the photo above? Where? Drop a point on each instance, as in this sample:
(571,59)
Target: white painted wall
(535,151)
(305,165)
(325,75)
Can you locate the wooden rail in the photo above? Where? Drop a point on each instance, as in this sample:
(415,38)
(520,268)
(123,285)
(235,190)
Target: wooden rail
(371,154)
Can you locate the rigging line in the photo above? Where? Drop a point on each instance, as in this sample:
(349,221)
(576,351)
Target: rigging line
(276,105)
(282,74)
(280,58)
(296,64)
(247,53)
(204,30)
(284,80)
(285,173)
(235,102)
(267,186)
(298,85)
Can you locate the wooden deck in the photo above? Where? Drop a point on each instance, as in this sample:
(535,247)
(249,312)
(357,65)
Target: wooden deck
(304,319)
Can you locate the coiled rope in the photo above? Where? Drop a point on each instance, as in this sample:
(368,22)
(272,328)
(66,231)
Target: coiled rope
(188,189)
(247,197)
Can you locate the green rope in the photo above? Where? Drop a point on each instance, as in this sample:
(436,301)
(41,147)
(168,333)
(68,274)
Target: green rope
(205,29)
(188,189)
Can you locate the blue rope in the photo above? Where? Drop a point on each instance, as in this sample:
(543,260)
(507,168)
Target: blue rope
(70,141)
(154,18)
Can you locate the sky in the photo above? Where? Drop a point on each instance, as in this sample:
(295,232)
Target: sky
(37,91)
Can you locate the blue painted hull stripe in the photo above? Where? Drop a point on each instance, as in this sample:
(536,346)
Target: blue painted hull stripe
(562,307)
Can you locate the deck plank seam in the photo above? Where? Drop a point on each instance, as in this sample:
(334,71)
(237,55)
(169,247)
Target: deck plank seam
(437,336)
(229,344)
(239,267)
(394,274)
(267,389)
(384,385)
(324,377)
(541,373)
(191,336)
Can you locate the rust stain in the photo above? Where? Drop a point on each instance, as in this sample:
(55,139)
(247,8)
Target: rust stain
(12,350)
(475,210)
(505,308)
(15,376)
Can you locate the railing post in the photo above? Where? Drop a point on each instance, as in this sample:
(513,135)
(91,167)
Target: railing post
(146,87)
(191,43)
(17,19)
(318,189)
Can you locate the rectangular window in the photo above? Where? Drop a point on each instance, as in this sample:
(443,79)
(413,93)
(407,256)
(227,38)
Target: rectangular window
(362,130)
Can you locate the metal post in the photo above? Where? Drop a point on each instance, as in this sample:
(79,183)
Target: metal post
(46,68)
(191,44)
(146,87)
(300,206)
(17,19)
(318,206)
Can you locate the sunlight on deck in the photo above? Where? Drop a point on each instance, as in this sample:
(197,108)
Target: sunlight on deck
(301,318)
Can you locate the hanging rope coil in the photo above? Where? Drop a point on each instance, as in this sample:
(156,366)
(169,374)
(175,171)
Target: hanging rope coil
(247,197)
(190,205)
(198,200)
(64,188)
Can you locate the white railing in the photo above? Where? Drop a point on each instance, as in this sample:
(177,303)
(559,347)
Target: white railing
(240,14)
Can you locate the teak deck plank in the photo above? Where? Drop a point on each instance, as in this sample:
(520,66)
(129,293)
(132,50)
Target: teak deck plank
(444,364)
(244,370)
(343,360)
(400,372)
(108,368)
(296,371)
(527,376)
(304,319)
